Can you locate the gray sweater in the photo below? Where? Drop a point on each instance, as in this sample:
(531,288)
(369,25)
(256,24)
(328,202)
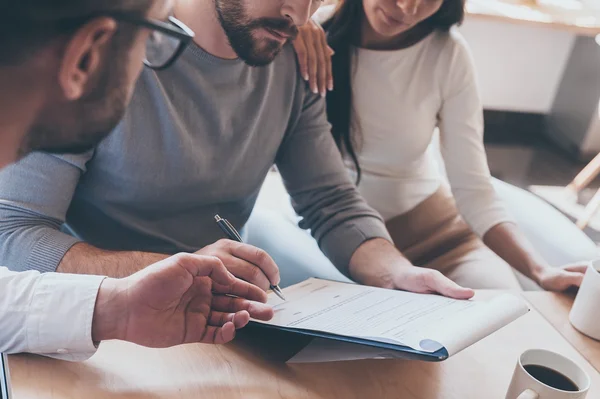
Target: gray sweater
(198,139)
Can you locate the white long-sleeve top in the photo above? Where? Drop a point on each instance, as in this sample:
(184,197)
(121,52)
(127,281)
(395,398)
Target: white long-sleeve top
(49,314)
(400,97)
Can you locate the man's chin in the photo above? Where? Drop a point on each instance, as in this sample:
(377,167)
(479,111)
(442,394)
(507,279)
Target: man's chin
(261,58)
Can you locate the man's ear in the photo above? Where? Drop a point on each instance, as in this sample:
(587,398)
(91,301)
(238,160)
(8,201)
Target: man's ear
(83,55)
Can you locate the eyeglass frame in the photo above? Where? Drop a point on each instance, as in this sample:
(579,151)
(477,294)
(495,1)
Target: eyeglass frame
(176,29)
(179,30)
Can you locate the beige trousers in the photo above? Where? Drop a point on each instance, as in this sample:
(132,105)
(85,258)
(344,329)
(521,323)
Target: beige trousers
(435,236)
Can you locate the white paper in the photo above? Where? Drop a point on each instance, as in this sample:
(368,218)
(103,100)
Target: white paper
(423,322)
(322,350)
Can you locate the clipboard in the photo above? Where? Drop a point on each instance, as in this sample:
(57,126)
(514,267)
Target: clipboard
(291,341)
(322,319)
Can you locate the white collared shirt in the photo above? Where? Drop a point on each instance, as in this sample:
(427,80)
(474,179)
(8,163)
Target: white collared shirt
(49,314)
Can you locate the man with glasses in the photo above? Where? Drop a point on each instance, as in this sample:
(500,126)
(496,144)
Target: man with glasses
(67,72)
(197,140)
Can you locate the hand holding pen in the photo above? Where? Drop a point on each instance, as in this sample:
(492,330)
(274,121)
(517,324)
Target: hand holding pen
(233,235)
(245,262)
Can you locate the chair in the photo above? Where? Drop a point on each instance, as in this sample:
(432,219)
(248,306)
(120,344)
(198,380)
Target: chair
(581,181)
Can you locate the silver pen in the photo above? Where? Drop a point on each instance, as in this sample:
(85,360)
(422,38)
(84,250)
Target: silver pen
(233,235)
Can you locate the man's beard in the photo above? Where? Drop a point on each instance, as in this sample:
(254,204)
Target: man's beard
(239,29)
(90,119)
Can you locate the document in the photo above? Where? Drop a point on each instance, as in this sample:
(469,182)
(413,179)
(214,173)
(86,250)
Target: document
(426,323)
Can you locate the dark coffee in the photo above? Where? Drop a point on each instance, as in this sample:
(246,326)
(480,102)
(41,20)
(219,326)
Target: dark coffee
(551,378)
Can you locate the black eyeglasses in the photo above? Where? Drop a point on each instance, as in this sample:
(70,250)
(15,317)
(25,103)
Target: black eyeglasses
(167,41)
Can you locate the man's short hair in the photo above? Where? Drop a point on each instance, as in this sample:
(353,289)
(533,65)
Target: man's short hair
(28,25)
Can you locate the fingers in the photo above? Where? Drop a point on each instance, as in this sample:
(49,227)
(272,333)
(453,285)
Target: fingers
(572,279)
(264,265)
(300,47)
(328,62)
(204,266)
(226,332)
(242,289)
(314,57)
(324,59)
(219,335)
(256,310)
(578,268)
(330,81)
(221,328)
(313,63)
(438,283)
(239,319)
(247,271)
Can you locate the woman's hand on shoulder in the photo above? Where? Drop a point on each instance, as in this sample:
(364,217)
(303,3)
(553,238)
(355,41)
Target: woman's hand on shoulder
(314,57)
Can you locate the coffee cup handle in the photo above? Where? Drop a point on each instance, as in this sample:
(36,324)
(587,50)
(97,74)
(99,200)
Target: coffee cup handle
(528,394)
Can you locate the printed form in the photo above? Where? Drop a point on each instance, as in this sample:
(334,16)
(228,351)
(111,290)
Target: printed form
(423,322)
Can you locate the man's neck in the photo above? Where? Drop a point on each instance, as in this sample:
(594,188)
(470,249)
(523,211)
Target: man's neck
(17,112)
(201,16)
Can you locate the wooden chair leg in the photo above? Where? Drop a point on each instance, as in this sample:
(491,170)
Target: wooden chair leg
(585,177)
(590,210)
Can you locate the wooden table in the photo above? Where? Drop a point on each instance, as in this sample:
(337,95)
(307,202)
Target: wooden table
(555,308)
(121,370)
(557,14)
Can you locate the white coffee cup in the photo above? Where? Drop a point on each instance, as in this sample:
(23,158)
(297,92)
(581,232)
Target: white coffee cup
(585,309)
(525,386)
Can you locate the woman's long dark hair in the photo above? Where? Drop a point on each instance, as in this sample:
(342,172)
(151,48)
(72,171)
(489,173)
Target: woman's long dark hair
(344,32)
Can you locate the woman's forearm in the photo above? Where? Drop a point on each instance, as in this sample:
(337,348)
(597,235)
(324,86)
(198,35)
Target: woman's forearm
(509,242)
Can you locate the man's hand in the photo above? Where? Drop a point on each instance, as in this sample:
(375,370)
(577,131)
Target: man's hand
(245,261)
(561,278)
(378,263)
(183,299)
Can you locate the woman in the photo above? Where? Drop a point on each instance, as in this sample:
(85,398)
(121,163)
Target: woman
(401,72)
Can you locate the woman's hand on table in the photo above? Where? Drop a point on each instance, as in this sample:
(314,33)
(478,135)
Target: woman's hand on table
(378,263)
(561,278)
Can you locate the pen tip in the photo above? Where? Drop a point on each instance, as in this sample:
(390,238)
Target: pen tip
(279,292)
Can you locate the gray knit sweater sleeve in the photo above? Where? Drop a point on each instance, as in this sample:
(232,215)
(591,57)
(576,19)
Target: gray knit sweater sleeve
(35,195)
(321,189)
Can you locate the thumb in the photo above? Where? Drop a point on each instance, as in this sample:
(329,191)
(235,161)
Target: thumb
(448,288)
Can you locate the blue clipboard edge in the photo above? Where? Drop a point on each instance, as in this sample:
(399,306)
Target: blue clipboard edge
(409,353)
